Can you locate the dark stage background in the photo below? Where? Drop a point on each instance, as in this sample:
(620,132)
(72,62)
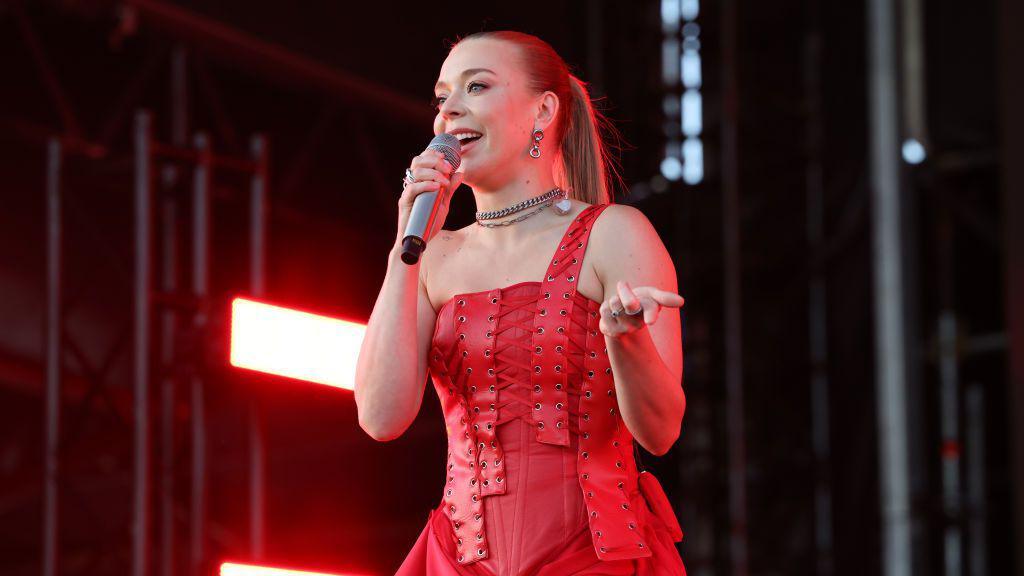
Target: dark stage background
(341,93)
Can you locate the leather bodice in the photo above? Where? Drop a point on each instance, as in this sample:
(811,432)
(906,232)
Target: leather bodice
(532,351)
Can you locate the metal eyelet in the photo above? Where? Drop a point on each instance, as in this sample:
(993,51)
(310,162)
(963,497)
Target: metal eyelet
(590,494)
(610,392)
(608,370)
(571,278)
(558,424)
(476,409)
(462,302)
(632,526)
(615,443)
(565,295)
(491,388)
(536,369)
(540,425)
(479,537)
(537,388)
(540,330)
(538,349)
(558,367)
(547,295)
(498,479)
(491,408)
(574,260)
(559,348)
(593,354)
(587,394)
(586,417)
(562,312)
(558,406)
(590,373)
(580,245)
(490,318)
(490,371)
(555,261)
(618,464)
(479,551)
(598,534)
(486,482)
(561,247)
(593,514)
(487,353)
(603,549)
(558,386)
(586,455)
(550,278)
(465,353)
(536,406)
(494,300)
(586,476)
(625,506)
(489,333)
(469,370)
(640,544)
(462,318)
(462,336)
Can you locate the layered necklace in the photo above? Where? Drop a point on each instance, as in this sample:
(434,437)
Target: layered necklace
(563,207)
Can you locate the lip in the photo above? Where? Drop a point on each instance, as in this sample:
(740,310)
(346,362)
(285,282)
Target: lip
(471,145)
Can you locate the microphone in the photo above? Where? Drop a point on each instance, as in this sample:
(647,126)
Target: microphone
(426,205)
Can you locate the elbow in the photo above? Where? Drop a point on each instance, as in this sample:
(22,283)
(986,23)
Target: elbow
(378,433)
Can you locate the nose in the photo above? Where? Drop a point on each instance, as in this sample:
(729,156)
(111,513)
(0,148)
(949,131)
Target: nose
(451,108)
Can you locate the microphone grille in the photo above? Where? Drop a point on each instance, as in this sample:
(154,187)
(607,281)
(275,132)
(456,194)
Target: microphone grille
(449,146)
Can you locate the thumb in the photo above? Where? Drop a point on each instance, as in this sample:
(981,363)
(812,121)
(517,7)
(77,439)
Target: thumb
(456,181)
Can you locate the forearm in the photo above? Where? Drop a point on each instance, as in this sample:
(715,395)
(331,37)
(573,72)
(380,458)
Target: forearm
(650,397)
(387,369)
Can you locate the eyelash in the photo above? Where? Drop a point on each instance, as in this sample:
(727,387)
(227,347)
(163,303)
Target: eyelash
(436,101)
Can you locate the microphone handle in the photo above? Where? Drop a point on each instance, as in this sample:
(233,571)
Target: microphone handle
(421,221)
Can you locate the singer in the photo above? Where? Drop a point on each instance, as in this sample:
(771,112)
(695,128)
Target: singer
(549,329)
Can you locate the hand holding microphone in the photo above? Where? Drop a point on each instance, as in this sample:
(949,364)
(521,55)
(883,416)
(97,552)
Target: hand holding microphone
(423,206)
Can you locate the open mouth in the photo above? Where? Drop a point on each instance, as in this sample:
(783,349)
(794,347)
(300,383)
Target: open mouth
(468,139)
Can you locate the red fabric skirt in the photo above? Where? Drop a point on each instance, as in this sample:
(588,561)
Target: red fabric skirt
(434,553)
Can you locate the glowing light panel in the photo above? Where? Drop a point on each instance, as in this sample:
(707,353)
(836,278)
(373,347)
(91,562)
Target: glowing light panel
(295,344)
(233,569)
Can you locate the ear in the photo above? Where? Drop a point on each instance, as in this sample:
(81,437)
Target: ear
(547,110)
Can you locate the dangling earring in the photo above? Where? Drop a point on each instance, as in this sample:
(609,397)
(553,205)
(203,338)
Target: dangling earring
(538,135)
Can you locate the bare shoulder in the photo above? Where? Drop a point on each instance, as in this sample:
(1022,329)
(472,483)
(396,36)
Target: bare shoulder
(627,247)
(438,261)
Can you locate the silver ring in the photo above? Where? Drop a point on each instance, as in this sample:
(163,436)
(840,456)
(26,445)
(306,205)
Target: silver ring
(615,313)
(409,178)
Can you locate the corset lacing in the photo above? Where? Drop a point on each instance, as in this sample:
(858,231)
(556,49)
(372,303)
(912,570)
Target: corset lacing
(513,332)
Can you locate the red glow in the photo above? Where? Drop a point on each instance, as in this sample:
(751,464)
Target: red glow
(295,344)
(233,569)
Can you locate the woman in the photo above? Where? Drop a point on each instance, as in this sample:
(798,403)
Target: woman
(544,383)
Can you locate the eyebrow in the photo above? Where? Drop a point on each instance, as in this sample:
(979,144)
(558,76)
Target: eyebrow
(464,74)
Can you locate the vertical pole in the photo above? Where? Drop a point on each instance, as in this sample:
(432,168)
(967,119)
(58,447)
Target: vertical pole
(890,340)
(818,298)
(257,246)
(974,440)
(736,432)
(140,523)
(200,270)
(168,328)
(53,357)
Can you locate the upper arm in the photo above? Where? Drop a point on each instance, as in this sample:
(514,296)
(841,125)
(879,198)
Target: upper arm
(426,320)
(629,249)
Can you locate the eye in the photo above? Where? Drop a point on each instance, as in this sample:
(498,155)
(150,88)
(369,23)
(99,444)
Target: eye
(437,101)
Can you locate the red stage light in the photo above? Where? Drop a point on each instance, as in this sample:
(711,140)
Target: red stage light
(233,569)
(295,344)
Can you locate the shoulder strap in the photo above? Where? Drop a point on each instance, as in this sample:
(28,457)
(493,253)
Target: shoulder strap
(554,308)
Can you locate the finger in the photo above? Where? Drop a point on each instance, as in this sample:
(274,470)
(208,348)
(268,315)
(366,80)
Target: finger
(614,304)
(421,174)
(415,189)
(651,309)
(629,300)
(666,298)
(456,181)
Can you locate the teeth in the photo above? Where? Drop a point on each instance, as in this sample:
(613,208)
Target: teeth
(464,135)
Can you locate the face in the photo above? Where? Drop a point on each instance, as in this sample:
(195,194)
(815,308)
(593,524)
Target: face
(482,88)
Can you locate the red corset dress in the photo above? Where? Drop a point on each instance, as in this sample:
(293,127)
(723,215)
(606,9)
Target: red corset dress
(540,477)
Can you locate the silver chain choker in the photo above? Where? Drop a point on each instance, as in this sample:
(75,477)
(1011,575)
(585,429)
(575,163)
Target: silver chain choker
(519,207)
